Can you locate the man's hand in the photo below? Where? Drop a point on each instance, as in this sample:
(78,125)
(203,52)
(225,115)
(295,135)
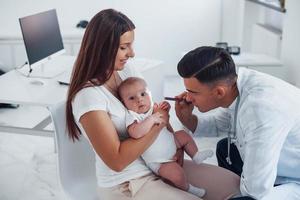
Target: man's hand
(183,108)
(184,112)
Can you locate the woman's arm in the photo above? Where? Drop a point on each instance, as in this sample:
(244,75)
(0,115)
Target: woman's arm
(115,153)
(139,129)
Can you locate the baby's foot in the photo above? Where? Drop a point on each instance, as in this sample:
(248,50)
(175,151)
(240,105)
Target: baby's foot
(200,192)
(199,157)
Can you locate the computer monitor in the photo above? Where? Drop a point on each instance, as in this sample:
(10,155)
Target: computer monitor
(42,37)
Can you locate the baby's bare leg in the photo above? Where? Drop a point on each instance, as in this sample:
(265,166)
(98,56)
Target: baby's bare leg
(184,140)
(174,173)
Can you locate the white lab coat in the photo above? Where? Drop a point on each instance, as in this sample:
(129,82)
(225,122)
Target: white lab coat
(268,134)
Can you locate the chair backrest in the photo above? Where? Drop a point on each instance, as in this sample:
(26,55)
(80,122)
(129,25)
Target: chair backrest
(76,160)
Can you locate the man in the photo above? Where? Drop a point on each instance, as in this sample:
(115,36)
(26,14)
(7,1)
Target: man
(260,113)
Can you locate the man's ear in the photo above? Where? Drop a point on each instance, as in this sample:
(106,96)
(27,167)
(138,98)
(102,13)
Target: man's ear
(220,91)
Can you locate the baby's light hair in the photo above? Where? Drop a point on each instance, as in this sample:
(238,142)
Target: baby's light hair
(129,81)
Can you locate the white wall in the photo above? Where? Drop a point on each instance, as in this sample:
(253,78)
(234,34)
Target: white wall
(291,41)
(69,12)
(237,28)
(238,18)
(232,22)
(164,28)
(167,28)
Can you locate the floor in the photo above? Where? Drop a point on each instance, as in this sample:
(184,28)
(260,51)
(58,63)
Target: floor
(28,163)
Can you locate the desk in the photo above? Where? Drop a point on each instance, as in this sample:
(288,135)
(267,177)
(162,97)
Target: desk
(255,60)
(16,89)
(262,63)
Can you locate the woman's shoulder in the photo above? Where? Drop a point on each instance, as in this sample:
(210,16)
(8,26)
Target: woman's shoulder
(90,96)
(90,92)
(88,99)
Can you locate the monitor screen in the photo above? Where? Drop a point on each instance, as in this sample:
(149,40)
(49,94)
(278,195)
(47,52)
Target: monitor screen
(41,36)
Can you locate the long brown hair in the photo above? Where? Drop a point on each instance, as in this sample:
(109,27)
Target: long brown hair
(96,57)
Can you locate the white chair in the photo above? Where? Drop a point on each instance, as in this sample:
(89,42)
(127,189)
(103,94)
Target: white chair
(76,161)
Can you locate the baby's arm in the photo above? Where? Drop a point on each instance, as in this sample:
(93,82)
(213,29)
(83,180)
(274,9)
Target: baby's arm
(166,106)
(139,129)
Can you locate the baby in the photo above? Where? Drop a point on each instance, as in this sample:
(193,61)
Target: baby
(141,117)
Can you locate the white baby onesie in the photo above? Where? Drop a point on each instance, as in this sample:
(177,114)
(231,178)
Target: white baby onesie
(164,147)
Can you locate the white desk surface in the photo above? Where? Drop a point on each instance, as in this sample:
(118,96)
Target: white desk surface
(18,89)
(255,60)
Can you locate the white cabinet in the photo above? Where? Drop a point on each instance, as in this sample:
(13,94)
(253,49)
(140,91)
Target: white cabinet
(13,53)
(19,53)
(257,28)
(252,26)
(262,63)
(5,55)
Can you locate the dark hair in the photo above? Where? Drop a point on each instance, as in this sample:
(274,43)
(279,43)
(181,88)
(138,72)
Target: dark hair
(96,58)
(207,64)
(129,81)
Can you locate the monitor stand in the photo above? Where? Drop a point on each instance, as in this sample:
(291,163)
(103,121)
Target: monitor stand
(50,69)
(47,70)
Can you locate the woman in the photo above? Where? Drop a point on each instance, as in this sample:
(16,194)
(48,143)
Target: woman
(95,110)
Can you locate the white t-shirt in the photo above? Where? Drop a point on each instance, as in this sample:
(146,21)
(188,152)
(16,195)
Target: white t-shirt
(163,148)
(99,98)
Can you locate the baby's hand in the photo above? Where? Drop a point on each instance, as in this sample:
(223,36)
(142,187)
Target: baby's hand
(165,106)
(155,108)
(157,118)
(164,114)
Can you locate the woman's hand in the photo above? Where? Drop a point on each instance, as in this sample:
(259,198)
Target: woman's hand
(178,157)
